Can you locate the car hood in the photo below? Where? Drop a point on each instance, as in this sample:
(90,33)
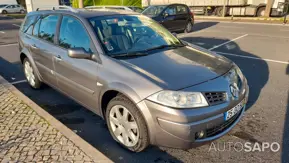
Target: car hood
(151,16)
(179,68)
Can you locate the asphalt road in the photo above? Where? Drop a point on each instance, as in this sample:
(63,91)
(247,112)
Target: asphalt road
(261,51)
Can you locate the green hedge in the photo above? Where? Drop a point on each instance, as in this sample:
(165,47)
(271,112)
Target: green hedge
(108,2)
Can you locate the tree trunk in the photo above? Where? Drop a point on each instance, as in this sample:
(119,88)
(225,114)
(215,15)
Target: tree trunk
(268,8)
(80,3)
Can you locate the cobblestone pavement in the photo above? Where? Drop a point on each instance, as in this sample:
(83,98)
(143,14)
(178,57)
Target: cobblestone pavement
(27,137)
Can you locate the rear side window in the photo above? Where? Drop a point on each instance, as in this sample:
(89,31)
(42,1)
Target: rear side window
(28,23)
(47,27)
(182,9)
(73,34)
(171,10)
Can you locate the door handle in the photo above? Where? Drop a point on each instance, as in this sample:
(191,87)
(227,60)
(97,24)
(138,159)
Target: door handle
(34,46)
(58,58)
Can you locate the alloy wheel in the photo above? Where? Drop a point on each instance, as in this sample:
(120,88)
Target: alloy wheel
(124,126)
(29,73)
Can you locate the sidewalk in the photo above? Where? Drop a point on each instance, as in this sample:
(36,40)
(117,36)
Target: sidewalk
(25,136)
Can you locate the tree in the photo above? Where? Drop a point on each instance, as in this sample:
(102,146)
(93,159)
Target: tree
(268,8)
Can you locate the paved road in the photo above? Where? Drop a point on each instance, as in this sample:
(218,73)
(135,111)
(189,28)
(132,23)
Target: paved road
(262,53)
(8,30)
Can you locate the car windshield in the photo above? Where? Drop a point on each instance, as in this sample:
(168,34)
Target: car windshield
(153,10)
(129,34)
(2,6)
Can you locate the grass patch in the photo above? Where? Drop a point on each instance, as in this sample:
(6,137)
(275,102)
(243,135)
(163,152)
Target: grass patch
(16,16)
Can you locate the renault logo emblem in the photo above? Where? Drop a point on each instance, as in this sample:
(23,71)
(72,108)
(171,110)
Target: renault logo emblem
(234,90)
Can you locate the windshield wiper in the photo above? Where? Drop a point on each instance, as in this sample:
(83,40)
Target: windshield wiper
(164,46)
(146,52)
(130,54)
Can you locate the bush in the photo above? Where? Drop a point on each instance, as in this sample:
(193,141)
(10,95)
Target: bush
(16,16)
(108,2)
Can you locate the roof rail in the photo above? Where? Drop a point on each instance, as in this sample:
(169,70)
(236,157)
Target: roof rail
(58,8)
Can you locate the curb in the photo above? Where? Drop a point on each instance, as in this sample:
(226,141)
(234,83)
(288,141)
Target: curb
(88,149)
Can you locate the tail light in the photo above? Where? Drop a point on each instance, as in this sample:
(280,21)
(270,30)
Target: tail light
(192,14)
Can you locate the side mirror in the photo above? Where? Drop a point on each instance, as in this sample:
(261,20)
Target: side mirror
(175,34)
(165,14)
(78,53)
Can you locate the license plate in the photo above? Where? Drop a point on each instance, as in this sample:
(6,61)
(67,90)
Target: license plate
(229,114)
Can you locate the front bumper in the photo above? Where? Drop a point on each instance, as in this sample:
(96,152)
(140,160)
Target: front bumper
(178,128)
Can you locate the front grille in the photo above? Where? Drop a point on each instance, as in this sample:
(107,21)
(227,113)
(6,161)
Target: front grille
(215,98)
(220,128)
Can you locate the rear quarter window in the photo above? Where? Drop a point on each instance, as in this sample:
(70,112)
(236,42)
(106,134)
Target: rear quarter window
(29,21)
(182,9)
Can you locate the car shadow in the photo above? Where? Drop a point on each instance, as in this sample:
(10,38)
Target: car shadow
(256,71)
(198,26)
(285,145)
(2,17)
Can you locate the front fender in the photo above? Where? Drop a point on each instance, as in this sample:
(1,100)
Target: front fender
(122,88)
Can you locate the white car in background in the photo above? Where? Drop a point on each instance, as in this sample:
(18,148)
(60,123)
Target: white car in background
(11,8)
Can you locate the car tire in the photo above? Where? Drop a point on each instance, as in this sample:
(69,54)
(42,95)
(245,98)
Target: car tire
(134,116)
(4,12)
(22,11)
(189,27)
(30,74)
(261,11)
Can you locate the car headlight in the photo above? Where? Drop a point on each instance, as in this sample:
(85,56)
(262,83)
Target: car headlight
(179,99)
(239,72)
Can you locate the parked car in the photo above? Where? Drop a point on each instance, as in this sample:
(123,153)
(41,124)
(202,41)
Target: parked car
(149,86)
(175,17)
(7,9)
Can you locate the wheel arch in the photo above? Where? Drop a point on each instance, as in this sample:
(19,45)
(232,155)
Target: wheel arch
(112,90)
(25,54)
(258,7)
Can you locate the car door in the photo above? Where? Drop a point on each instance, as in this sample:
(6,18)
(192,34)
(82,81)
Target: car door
(9,8)
(43,48)
(182,16)
(13,8)
(76,77)
(169,15)
(17,8)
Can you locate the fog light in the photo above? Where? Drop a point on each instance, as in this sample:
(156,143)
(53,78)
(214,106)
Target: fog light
(200,134)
